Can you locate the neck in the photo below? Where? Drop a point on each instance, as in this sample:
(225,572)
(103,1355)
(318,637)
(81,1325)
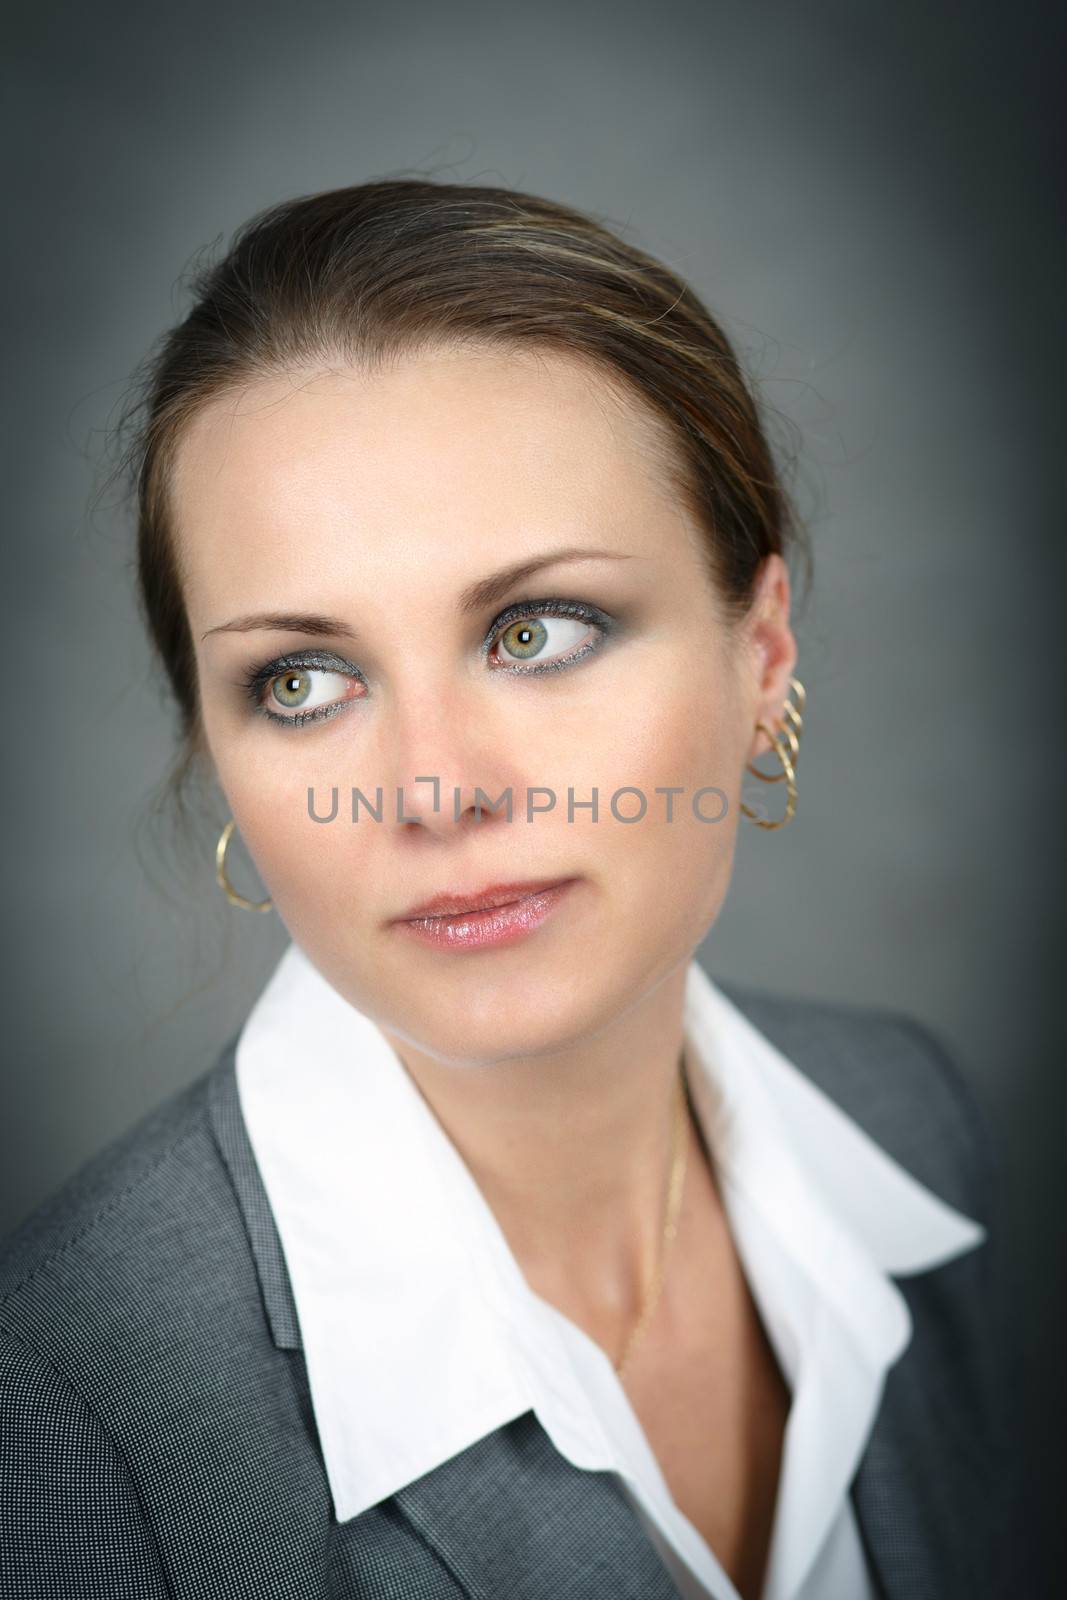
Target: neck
(572,1150)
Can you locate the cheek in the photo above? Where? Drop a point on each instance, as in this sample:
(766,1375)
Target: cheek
(687,741)
(664,866)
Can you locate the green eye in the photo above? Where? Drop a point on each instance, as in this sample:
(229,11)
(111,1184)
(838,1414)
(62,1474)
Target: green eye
(524,639)
(305,689)
(551,642)
(297,689)
(292,689)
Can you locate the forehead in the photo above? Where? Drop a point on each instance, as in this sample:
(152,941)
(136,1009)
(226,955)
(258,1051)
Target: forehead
(482,454)
(444,421)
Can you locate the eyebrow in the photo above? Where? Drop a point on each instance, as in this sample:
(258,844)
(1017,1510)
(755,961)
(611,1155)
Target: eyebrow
(475,597)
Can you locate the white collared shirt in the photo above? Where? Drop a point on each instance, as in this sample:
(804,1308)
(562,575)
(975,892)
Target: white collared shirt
(421,1334)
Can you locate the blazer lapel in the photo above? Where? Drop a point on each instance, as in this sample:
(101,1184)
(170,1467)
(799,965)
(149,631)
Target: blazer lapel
(512,1516)
(231,1136)
(891,1524)
(923,1491)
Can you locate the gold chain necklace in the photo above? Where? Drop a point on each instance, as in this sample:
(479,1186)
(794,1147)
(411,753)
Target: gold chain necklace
(670,1227)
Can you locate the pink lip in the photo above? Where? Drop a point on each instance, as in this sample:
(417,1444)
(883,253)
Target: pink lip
(507,913)
(450,903)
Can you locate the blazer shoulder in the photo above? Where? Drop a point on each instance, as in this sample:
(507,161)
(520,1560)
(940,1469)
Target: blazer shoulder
(897,1078)
(110,1199)
(54,1454)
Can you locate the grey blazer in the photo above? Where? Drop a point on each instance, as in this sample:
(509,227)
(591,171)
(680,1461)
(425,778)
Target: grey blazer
(157,1438)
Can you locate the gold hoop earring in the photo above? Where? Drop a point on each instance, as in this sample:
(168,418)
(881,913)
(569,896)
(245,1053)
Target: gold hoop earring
(223,881)
(779,739)
(791,733)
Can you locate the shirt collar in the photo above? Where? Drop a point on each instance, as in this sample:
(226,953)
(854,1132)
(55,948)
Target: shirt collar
(412,1306)
(813,1173)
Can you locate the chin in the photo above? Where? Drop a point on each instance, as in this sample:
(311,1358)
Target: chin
(493,1015)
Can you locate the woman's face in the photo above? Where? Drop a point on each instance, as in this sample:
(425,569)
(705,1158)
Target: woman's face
(377,504)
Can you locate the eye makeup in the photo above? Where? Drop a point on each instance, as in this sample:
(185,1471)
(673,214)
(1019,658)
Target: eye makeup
(575,610)
(258,678)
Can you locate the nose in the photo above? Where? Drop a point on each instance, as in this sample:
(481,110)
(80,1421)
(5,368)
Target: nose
(447,762)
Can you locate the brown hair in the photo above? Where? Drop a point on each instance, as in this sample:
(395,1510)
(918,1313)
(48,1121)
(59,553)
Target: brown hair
(377,270)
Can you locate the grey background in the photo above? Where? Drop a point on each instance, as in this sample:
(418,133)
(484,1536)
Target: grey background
(865,195)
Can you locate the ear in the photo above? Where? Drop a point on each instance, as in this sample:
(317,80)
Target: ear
(772,650)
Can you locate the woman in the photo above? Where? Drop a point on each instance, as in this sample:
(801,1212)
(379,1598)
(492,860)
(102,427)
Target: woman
(502,1253)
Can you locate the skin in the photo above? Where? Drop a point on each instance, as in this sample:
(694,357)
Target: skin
(375,499)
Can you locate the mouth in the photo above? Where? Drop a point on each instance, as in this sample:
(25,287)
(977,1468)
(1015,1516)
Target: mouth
(454,903)
(497,914)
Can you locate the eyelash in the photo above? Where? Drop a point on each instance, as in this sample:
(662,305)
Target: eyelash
(258,677)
